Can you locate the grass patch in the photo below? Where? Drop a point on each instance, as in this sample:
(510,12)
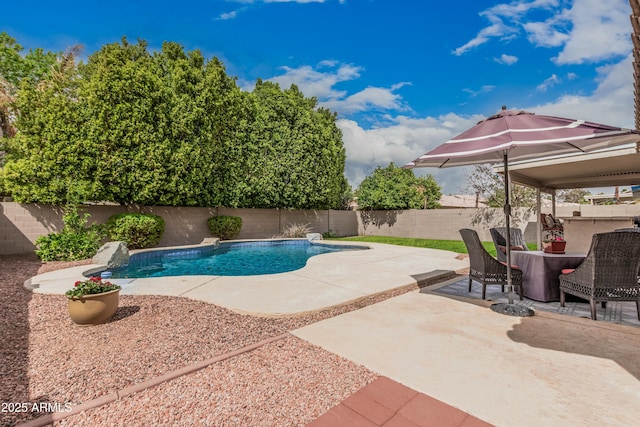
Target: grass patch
(445,245)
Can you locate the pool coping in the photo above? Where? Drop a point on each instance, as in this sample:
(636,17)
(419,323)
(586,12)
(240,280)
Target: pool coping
(326,280)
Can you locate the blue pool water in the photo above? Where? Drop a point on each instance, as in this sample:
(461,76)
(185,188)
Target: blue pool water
(228,259)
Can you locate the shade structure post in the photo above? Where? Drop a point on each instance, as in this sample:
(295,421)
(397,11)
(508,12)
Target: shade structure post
(538,220)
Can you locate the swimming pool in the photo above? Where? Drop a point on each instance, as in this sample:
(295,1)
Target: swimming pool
(227,259)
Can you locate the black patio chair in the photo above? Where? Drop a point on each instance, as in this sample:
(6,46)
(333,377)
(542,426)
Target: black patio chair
(498,234)
(486,269)
(608,273)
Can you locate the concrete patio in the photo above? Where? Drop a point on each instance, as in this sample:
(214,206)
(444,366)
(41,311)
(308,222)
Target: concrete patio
(549,369)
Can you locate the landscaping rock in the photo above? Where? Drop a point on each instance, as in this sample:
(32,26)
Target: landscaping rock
(215,241)
(112,254)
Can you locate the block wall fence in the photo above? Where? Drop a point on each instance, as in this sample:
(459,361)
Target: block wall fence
(22,224)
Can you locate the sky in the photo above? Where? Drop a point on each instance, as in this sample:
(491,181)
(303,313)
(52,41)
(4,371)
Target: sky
(403,76)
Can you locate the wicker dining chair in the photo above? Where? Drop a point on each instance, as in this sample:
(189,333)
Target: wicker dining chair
(498,234)
(486,269)
(608,273)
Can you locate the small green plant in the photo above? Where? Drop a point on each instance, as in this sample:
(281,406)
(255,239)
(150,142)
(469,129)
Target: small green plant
(93,285)
(76,241)
(138,230)
(330,235)
(296,230)
(225,227)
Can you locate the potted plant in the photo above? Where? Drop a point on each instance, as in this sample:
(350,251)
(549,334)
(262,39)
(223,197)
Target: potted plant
(92,301)
(554,245)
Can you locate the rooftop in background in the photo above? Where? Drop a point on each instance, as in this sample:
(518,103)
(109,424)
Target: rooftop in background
(462,201)
(626,198)
(469,201)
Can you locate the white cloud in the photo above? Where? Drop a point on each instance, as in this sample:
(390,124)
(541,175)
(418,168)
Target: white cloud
(611,103)
(599,31)
(228,15)
(484,89)
(504,22)
(234,14)
(320,82)
(554,80)
(588,31)
(506,59)
(549,82)
(400,142)
(497,29)
(371,98)
(547,33)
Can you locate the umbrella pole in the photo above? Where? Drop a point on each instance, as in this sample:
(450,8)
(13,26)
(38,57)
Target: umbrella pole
(511,309)
(507,219)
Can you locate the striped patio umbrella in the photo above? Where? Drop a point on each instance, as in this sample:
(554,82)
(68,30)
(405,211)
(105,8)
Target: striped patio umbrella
(514,135)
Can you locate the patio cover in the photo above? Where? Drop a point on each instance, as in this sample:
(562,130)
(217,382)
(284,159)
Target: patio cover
(608,168)
(619,166)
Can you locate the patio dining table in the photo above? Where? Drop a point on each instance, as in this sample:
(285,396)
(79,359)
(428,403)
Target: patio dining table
(541,270)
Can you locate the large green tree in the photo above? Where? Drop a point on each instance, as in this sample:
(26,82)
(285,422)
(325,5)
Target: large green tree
(208,125)
(47,160)
(394,188)
(17,68)
(125,125)
(171,128)
(295,156)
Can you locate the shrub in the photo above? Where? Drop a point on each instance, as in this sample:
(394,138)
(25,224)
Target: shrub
(296,230)
(138,230)
(224,226)
(76,241)
(330,234)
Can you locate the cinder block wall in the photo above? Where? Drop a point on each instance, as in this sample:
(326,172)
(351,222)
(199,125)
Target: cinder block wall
(256,223)
(441,224)
(182,225)
(21,225)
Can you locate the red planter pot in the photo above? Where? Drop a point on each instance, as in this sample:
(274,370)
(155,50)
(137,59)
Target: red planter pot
(554,247)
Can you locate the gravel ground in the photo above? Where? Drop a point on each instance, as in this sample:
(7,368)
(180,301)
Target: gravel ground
(45,358)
